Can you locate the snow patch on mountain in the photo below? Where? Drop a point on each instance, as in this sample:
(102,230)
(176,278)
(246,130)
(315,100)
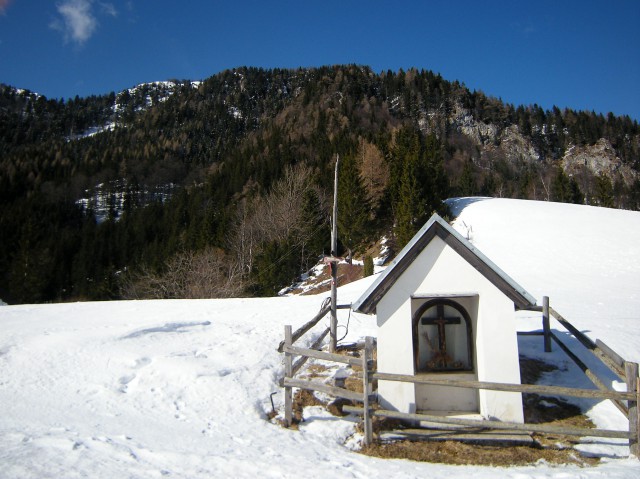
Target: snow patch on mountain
(143,97)
(112,199)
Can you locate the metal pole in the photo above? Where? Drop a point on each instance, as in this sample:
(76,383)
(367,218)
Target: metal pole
(333,333)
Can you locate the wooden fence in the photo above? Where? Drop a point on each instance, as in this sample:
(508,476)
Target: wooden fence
(627,371)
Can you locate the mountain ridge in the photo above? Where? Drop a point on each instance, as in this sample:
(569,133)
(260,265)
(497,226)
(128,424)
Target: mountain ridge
(407,139)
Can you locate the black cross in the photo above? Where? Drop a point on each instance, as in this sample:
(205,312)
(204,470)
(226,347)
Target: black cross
(440,320)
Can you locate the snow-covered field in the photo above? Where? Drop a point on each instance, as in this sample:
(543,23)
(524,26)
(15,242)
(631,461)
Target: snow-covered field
(586,259)
(182,388)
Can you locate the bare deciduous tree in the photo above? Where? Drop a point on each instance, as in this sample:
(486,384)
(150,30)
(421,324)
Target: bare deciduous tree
(195,275)
(374,171)
(278,216)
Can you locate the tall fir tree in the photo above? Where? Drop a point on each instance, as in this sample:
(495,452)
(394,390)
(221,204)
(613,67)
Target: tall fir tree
(604,191)
(560,187)
(422,183)
(467,185)
(353,205)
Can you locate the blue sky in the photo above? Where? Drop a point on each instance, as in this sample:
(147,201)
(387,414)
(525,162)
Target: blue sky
(577,54)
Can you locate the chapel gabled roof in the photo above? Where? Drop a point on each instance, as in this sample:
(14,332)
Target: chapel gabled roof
(436,226)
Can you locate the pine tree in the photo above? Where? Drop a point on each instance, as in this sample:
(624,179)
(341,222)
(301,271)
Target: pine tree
(315,234)
(353,206)
(560,187)
(422,183)
(604,191)
(275,267)
(368,266)
(410,207)
(575,194)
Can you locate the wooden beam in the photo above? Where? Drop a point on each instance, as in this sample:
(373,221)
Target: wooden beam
(518,388)
(589,344)
(580,336)
(324,388)
(530,308)
(337,358)
(592,377)
(475,435)
(546,328)
(637,453)
(508,426)
(306,326)
(288,372)
(366,356)
(333,334)
(631,370)
(616,361)
(315,346)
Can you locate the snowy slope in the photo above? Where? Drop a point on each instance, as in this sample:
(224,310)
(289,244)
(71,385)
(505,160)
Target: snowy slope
(586,259)
(182,389)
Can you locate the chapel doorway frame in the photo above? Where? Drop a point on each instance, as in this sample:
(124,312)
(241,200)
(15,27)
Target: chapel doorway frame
(434,302)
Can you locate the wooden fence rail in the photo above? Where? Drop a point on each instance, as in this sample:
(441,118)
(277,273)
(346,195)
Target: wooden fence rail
(625,370)
(336,358)
(291,368)
(520,388)
(591,375)
(609,358)
(324,388)
(498,425)
(316,344)
(306,326)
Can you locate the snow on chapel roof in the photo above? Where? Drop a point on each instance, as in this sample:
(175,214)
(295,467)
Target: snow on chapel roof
(436,226)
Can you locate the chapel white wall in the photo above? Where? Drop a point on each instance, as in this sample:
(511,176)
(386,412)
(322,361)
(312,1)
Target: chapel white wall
(440,270)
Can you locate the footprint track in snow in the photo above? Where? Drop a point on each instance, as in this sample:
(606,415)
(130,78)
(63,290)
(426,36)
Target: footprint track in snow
(142,362)
(125,380)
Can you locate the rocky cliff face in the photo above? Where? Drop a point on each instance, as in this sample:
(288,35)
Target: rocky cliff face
(464,122)
(599,159)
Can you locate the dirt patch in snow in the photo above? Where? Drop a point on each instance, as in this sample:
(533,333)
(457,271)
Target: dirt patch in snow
(549,410)
(458,453)
(347,273)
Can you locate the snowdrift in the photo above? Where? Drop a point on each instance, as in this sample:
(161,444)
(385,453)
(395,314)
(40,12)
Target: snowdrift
(586,259)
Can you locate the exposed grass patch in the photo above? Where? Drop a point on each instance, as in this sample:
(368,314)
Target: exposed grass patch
(459,453)
(347,273)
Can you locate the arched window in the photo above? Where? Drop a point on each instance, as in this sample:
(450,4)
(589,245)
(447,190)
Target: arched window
(442,337)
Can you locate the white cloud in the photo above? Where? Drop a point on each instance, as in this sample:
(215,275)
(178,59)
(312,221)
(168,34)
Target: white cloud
(108,9)
(78,22)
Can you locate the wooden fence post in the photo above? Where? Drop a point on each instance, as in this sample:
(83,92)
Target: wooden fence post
(288,372)
(546,327)
(631,372)
(637,453)
(366,356)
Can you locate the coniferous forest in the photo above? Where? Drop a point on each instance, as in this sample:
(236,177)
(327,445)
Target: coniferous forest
(223,187)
